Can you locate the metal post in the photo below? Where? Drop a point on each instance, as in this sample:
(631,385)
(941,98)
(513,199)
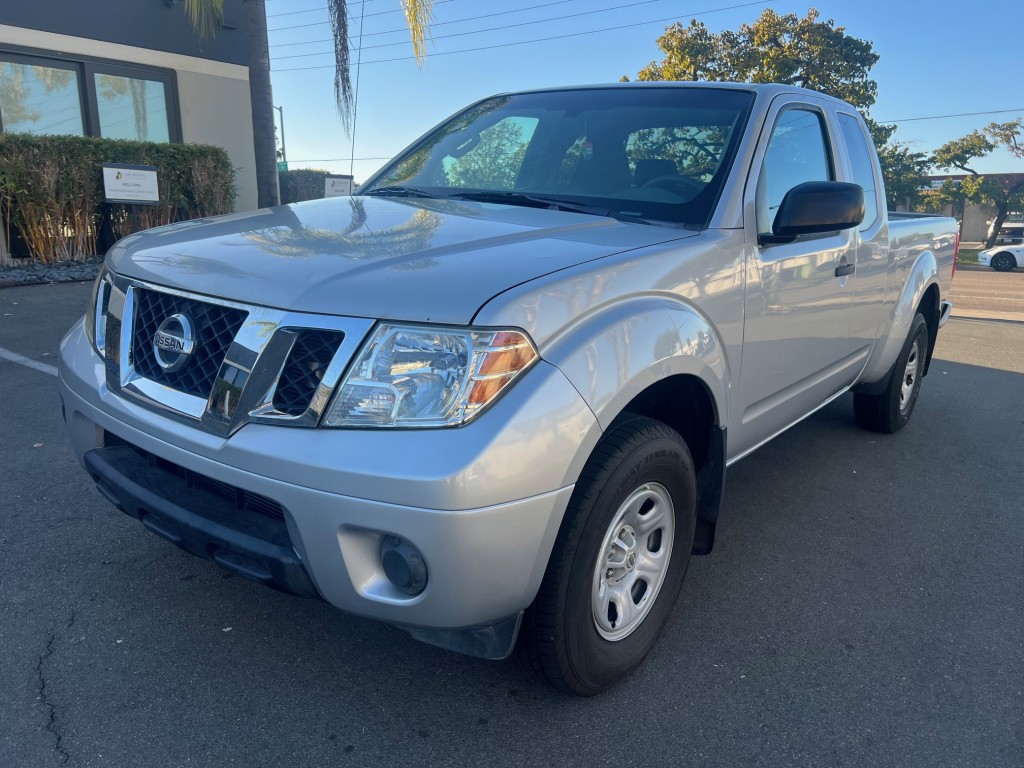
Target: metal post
(355,101)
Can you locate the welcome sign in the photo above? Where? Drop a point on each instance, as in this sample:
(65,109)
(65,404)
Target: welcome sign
(130,184)
(337,185)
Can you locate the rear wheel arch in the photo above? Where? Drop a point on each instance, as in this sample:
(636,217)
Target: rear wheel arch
(931,309)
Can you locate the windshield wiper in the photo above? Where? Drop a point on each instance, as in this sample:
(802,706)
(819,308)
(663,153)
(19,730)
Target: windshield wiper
(536,201)
(397,190)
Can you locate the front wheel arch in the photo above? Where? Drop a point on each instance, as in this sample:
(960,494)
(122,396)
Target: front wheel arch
(560,638)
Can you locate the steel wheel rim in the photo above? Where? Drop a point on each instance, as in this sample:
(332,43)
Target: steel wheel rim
(910,376)
(633,561)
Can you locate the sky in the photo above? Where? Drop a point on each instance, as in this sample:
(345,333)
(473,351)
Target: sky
(937,58)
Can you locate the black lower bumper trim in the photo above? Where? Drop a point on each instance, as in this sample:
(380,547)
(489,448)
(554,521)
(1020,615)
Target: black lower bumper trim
(199,521)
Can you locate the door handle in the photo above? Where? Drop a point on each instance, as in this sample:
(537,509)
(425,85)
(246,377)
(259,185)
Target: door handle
(845,269)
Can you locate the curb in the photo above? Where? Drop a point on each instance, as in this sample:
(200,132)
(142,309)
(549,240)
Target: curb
(20,283)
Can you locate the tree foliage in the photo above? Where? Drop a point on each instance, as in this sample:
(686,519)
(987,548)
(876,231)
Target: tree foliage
(1004,193)
(904,172)
(774,49)
(792,50)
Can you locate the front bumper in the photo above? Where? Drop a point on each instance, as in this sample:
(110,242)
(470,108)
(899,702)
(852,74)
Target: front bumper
(482,503)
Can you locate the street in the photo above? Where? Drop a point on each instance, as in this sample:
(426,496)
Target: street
(862,607)
(980,293)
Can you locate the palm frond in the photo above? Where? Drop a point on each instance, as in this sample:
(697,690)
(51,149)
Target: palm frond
(206,16)
(338,13)
(419,15)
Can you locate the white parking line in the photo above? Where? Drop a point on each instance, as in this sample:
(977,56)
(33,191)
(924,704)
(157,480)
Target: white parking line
(28,362)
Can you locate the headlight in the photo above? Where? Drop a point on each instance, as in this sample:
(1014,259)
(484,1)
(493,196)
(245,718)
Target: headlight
(96,315)
(420,376)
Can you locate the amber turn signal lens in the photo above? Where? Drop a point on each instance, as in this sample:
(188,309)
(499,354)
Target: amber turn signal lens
(486,390)
(510,353)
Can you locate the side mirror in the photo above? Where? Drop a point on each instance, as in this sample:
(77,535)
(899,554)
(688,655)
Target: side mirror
(815,207)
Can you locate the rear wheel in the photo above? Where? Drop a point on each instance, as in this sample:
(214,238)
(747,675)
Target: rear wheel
(1004,262)
(889,411)
(619,560)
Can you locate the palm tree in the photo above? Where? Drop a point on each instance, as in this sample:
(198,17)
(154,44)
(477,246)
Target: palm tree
(206,17)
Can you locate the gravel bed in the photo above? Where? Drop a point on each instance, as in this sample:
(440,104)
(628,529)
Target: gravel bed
(29,272)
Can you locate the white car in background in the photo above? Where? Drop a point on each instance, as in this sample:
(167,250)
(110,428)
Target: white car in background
(1002,258)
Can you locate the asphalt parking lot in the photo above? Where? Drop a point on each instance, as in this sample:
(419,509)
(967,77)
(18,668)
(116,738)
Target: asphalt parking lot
(862,607)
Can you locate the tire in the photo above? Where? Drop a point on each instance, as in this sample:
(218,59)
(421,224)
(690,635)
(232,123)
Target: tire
(641,464)
(1003,262)
(890,410)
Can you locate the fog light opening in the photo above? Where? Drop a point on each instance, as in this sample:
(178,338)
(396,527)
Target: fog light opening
(403,565)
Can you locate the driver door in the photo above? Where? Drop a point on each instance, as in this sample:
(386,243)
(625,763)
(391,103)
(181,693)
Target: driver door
(797,351)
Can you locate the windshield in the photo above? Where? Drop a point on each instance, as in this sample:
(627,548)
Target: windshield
(657,154)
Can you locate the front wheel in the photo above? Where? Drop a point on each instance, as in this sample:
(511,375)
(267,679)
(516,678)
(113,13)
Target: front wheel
(1003,262)
(619,560)
(889,411)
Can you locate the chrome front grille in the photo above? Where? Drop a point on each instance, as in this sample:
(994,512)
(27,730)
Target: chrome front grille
(215,326)
(307,362)
(248,363)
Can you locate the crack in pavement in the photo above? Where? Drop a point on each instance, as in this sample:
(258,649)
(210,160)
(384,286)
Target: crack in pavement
(52,725)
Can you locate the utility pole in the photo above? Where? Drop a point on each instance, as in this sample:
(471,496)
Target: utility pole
(355,102)
(284,152)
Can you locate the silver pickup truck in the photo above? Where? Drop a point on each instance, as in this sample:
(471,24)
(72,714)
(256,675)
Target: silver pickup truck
(491,398)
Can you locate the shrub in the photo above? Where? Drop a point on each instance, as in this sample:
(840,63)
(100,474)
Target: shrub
(301,184)
(51,189)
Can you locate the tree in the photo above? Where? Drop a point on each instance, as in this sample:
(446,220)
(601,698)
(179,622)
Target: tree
(904,172)
(1005,193)
(774,49)
(791,50)
(206,17)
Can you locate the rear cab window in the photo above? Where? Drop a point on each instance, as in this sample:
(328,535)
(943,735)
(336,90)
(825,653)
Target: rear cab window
(861,165)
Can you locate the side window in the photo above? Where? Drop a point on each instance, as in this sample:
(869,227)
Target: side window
(798,151)
(863,168)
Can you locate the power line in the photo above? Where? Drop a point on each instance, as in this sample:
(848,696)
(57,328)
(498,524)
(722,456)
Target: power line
(377,13)
(490,29)
(542,39)
(337,159)
(311,10)
(960,114)
(433,26)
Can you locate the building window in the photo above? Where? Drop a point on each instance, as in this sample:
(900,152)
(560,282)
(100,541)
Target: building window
(131,108)
(44,95)
(40,99)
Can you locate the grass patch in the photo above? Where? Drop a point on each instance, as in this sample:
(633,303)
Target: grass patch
(968,256)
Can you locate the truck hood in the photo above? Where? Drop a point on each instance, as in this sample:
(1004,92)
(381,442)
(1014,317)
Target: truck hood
(410,259)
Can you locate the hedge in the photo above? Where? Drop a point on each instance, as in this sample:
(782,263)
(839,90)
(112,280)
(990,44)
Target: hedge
(301,184)
(51,189)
